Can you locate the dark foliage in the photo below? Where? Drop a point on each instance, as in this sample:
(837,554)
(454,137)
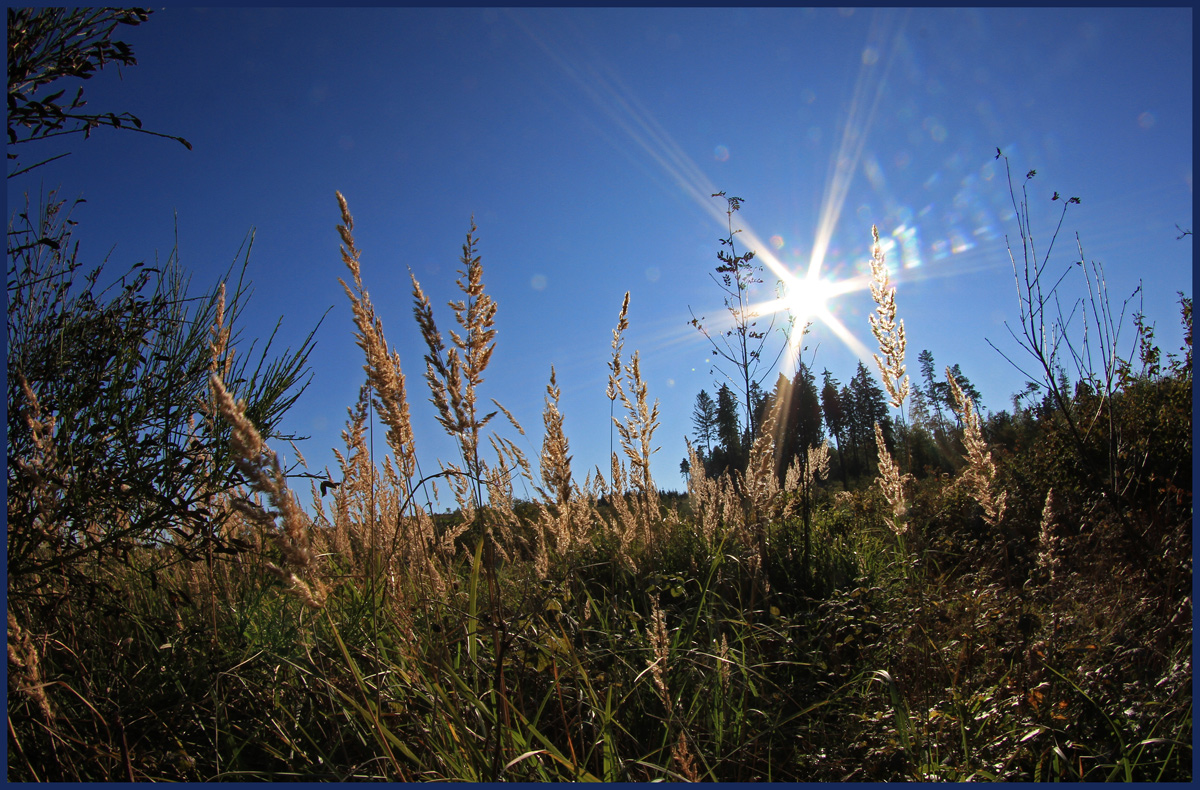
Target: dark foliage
(46,45)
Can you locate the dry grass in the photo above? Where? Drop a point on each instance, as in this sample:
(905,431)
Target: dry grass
(24,671)
(614,366)
(890,361)
(715,505)
(602,632)
(1047,556)
(383,370)
(891,482)
(260,465)
(979,476)
(556,457)
(42,465)
(888,333)
(455,373)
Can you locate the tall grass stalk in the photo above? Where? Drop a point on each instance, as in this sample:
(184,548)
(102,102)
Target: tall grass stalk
(604,631)
(890,361)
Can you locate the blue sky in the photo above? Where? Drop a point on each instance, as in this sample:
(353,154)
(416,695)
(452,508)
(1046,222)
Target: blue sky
(586,143)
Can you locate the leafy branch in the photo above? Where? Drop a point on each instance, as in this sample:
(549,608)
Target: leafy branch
(741,345)
(47,44)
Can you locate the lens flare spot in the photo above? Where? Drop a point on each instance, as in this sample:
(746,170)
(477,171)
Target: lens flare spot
(538,282)
(653,273)
(777,241)
(1146,120)
(937,132)
(959,243)
(870,56)
(910,248)
(721,153)
(874,173)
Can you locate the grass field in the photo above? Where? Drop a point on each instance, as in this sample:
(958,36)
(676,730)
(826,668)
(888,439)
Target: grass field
(1027,617)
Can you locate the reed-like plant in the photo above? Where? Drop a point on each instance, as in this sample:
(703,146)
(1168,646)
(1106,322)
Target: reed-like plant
(556,457)
(382,366)
(887,332)
(454,374)
(605,631)
(890,361)
(979,476)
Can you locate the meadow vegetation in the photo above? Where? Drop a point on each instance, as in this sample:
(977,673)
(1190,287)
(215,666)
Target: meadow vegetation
(1019,609)
(838,595)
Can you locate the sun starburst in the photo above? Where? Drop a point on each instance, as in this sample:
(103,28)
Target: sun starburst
(810,299)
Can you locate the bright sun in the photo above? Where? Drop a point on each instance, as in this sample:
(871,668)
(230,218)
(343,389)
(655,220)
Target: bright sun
(807,298)
(810,299)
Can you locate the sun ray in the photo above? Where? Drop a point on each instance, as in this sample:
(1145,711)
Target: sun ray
(854,137)
(807,297)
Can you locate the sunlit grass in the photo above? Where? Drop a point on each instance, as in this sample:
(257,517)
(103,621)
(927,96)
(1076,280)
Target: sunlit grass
(609,631)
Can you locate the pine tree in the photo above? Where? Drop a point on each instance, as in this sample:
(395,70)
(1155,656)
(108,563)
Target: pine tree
(869,406)
(854,431)
(728,456)
(835,418)
(810,428)
(935,392)
(802,427)
(704,421)
(761,403)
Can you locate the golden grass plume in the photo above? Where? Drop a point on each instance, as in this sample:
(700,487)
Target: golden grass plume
(883,325)
(979,476)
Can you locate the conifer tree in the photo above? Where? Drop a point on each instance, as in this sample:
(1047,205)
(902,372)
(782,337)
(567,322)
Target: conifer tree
(935,392)
(803,427)
(869,406)
(704,421)
(729,433)
(835,418)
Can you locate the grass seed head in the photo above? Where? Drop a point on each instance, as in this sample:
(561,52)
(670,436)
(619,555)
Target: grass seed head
(888,333)
(979,476)
(1047,558)
(892,484)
